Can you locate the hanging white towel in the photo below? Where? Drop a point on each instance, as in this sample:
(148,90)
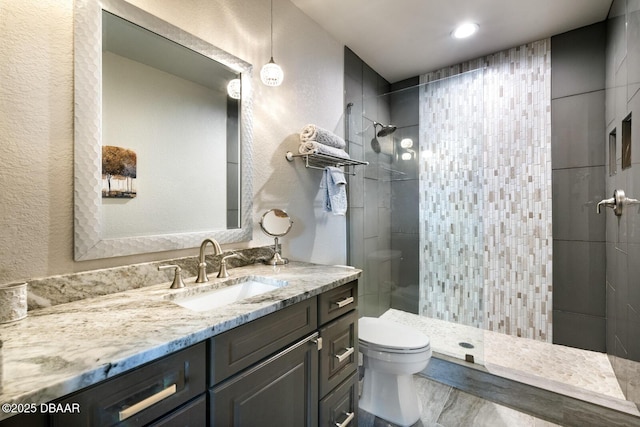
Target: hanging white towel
(334,189)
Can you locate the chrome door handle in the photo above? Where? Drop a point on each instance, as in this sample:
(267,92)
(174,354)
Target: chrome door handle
(344,302)
(347,421)
(348,352)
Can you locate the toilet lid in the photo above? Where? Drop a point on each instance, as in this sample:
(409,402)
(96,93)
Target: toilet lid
(386,334)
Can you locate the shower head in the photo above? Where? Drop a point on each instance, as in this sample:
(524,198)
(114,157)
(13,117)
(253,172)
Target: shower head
(385,130)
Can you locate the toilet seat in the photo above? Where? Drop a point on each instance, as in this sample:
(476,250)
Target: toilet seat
(384,336)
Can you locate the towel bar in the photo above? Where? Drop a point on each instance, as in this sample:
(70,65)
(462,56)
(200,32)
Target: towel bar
(320,161)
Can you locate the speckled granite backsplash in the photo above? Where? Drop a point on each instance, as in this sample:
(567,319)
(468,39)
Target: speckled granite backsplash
(54,290)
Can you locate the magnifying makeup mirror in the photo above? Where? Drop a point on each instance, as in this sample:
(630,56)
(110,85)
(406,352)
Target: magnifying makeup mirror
(276,223)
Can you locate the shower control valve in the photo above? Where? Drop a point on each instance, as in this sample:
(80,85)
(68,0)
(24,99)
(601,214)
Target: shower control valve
(617,202)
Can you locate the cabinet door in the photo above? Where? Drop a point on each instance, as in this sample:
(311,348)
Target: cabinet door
(282,391)
(339,354)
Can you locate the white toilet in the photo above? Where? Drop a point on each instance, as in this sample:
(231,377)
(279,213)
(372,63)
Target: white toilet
(392,353)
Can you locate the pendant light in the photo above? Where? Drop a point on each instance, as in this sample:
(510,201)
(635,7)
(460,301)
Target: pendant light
(271,73)
(234,89)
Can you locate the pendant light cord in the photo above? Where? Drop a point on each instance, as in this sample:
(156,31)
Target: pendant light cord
(272,29)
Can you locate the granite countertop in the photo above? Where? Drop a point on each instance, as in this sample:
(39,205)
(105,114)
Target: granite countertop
(61,349)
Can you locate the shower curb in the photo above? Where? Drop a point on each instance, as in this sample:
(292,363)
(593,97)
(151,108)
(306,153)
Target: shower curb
(544,404)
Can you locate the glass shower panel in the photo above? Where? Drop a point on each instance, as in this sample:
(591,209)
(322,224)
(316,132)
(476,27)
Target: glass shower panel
(451,206)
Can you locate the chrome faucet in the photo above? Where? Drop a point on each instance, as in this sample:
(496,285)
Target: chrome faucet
(202,265)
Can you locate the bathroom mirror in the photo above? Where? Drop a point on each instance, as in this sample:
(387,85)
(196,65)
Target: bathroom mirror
(150,89)
(276,223)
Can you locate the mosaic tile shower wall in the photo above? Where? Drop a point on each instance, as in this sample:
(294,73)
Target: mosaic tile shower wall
(492,189)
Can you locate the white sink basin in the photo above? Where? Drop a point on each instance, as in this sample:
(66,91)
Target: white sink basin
(207,297)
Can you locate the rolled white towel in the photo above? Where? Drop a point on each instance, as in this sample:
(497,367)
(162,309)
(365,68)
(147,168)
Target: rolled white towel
(313,147)
(323,136)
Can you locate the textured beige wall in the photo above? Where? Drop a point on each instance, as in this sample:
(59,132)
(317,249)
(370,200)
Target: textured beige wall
(36,126)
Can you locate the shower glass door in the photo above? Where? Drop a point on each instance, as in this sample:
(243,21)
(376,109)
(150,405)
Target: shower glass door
(416,226)
(451,205)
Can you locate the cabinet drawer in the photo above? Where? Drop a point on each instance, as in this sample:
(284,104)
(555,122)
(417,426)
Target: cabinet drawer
(281,391)
(340,407)
(336,302)
(142,395)
(339,354)
(241,347)
(193,414)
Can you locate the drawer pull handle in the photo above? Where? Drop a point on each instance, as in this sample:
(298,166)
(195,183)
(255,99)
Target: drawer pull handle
(344,302)
(347,421)
(144,404)
(348,352)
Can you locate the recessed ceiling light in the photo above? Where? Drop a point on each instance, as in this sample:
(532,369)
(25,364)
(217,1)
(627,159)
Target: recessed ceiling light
(465,30)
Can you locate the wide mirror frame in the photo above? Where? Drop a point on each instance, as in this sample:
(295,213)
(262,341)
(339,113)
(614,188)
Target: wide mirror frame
(88,223)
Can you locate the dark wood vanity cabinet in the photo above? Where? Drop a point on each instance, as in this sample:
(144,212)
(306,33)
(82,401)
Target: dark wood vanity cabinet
(292,368)
(310,380)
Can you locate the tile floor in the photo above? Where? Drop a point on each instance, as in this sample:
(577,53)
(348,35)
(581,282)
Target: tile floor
(444,406)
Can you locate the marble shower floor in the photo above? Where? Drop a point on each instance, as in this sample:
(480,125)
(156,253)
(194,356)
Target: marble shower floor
(582,374)
(444,406)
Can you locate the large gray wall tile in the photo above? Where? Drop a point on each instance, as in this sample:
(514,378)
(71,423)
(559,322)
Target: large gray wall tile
(633,106)
(577,130)
(633,348)
(575,195)
(579,330)
(574,52)
(404,107)
(633,52)
(579,277)
(621,285)
(407,247)
(633,252)
(405,211)
(370,208)
(352,65)
(611,320)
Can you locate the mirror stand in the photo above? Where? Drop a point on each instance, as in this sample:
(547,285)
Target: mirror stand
(276,259)
(276,223)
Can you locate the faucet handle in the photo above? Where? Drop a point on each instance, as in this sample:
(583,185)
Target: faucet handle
(223,262)
(177,278)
